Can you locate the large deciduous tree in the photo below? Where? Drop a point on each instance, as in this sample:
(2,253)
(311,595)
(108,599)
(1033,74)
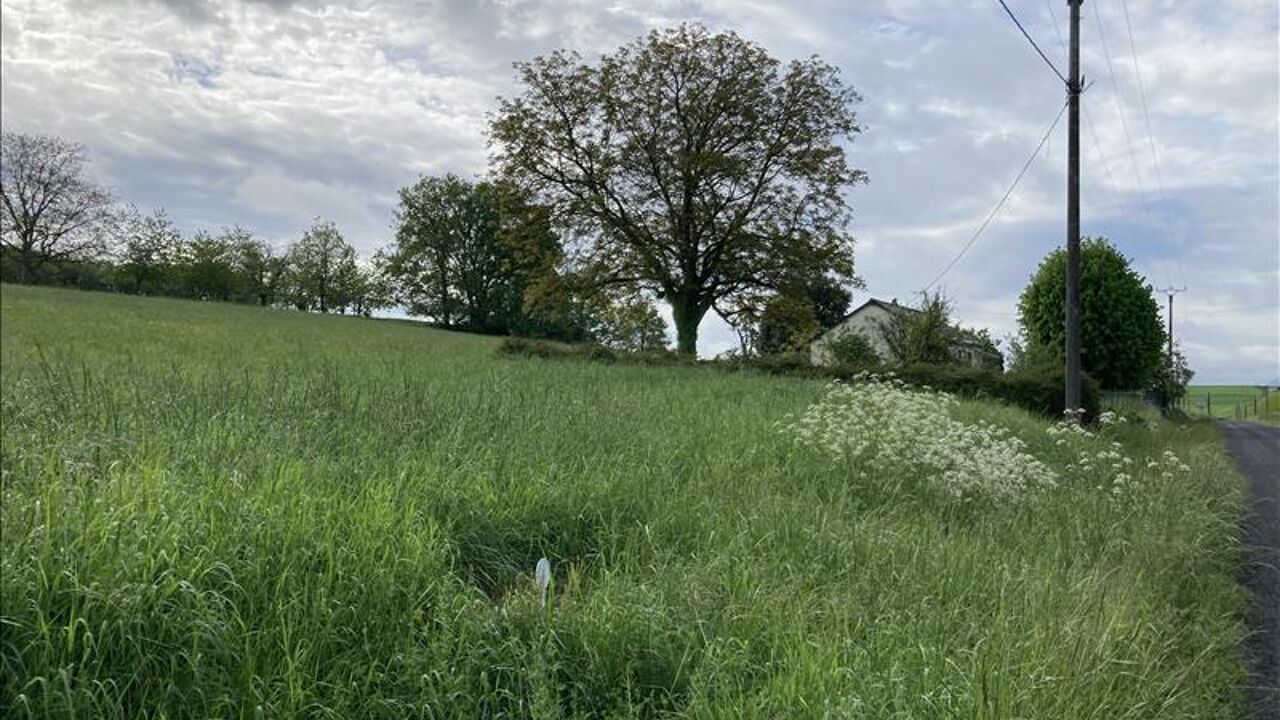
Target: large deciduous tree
(151,254)
(1121,335)
(210,267)
(319,267)
(259,270)
(700,168)
(51,212)
(448,260)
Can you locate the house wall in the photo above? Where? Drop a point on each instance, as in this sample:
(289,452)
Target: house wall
(867,321)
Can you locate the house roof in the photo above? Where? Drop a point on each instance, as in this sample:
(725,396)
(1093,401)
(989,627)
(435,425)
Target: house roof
(890,306)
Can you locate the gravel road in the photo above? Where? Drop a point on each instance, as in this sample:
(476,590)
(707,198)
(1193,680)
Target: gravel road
(1256,449)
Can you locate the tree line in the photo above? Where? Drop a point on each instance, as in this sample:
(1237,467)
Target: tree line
(58,227)
(465,255)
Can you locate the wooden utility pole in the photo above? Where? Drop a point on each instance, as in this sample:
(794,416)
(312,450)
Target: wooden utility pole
(1073,381)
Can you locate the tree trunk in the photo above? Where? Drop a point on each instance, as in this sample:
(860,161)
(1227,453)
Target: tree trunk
(687,315)
(28,267)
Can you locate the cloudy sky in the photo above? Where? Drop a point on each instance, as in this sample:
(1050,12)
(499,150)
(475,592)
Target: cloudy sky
(268,113)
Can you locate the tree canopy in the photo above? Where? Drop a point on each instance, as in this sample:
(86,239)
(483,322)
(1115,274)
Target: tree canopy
(796,314)
(1122,338)
(321,266)
(449,260)
(51,212)
(695,166)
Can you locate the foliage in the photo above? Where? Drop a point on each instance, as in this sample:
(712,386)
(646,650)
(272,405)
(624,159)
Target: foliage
(259,271)
(830,301)
(631,324)
(152,253)
(448,261)
(51,213)
(60,229)
(553,302)
(852,349)
(213,510)
(1170,381)
(1121,332)
(921,337)
(209,267)
(1024,355)
(589,352)
(788,324)
(795,315)
(705,171)
(1037,390)
(321,267)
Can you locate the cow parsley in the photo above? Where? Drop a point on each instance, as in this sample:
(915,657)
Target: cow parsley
(881,425)
(1102,462)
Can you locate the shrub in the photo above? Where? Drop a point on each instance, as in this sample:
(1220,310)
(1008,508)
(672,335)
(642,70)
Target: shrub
(926,336)
(552,350)
(1121,333)
(1039,390)
(1169,384)
(853,348)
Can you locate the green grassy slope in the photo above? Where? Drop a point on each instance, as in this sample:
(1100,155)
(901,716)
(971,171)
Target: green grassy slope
(218,511)
(1223,400)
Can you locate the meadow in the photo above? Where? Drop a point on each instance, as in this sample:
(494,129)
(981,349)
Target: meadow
(1224,401)
(223,511)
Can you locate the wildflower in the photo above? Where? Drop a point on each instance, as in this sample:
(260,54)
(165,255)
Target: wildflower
(879,422)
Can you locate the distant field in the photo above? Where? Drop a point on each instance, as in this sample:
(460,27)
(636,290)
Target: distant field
(1223,400)
(221,511)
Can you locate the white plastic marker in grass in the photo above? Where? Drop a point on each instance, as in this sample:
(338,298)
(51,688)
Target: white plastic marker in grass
(542,577)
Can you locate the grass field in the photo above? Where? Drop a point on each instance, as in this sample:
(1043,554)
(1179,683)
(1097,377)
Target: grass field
(219,511)
(1224,400)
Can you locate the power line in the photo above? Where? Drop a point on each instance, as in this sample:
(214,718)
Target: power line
(1027,35)
(1146,116)
(1128,136)
(991,215)
(1057,26)
(1124,121)
(1111,185)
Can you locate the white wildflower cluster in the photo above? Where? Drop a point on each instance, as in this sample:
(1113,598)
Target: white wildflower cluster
(1103,461)
(1109,417)
(885,427)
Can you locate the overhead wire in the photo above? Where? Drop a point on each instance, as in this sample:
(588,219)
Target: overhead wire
(1031,40)
(995,210)
(1128,136)
(1115,87)
(1118,200)
(1151,141)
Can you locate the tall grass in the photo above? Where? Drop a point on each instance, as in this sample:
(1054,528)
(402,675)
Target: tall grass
(214,511)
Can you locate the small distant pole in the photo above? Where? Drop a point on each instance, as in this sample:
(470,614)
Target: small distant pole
(1171,291)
